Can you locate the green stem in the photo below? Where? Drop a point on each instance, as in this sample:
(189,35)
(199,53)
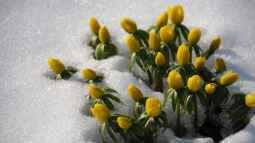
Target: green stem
(178,120)
(195,113)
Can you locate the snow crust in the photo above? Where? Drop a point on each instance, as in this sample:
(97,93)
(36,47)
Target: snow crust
(37,109)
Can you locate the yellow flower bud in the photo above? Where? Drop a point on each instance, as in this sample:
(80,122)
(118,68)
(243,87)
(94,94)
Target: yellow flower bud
(128,25)
(183,55)
(228,78)
(250,100)
(160,59)
(154,41)
(153,107)
(194,36)
(219,65)
(215,44)
(132,43)
(161,19)
(210,88)
(104,35)
(174,80)
(176,14)
(94,25)
(134,93)
(194,83)
(94,91)
(199,62)
(124,122)
(56,65)
(166,34)
(100,112)
(88,74)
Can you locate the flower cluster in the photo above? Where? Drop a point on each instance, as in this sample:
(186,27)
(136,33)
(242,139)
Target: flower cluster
(101,40)
(167,51)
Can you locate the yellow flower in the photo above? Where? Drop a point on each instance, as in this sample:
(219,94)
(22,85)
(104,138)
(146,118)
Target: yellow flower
(199,62)
(250,100)
(174,80)
(215,44)
(153,106)
(94,25)
(210,88)
(183,55)
(88,74)
(132,43)
(228,78)
(104,35)
(160,59)
(166,34)
(176,14)
(219,65)
(134,93)
(94,91)
(56,65)
(124,122)
(194,83)
(128,25)
(100,112)
(161,19)
(154,41)
(194,36)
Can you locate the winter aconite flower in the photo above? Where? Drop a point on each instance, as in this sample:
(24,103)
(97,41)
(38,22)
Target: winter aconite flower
(132,43)
(160,59)
(166,34)
(104,35)
(210,88)
(250,100)
(199,62)
(134,93)
(100,112)
(94,91)
(128,25)
(176,14)
(56,65)
(161,19)
(194,83)
(94,25)
(228,78)
(154,41)
(219,65)
(124,122)
(153,107)
(194,36)
(174,80)
(215,44)
(183,55)
(88,74)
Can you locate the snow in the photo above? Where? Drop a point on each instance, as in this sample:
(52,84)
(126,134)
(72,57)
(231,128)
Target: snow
(36,109)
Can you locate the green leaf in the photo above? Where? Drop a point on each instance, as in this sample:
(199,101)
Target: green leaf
(111,134)
(187,104)
(132,61)
(99,53)
(108,103)
(113,98)
(143,116)
(203,98)
(174,101)
(65,75)
(101,132)
(110,50)
(71,69)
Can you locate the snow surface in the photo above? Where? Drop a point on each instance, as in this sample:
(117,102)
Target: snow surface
(36,109)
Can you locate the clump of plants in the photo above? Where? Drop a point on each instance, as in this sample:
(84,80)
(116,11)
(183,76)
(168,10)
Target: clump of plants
(173,63)
(101,41)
